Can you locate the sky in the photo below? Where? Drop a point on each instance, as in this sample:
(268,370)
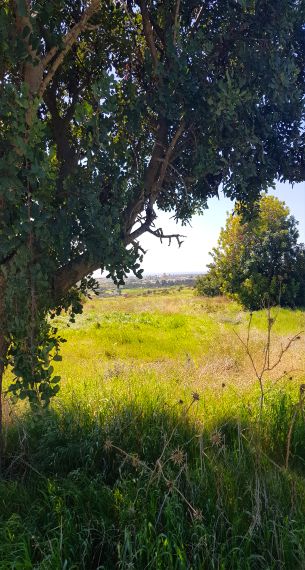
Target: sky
(202,236)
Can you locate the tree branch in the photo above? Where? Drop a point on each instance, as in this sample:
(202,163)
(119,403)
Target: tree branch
(176,17)
(196,23)
(153,168)
(166,160)
(150,176)
(71,273)
(159,234)
(60,125)
(76,269)
(179,175)
(284,350)
(153,178)
(68,42)
(148,32)
(138,246)
(32,69)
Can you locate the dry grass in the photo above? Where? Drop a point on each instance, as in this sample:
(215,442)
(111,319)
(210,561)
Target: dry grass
(177,338)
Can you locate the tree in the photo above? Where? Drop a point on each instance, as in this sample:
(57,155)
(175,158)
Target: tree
(109,109)
(208,284)
(260,261)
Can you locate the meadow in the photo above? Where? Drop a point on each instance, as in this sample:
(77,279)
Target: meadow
(154,454)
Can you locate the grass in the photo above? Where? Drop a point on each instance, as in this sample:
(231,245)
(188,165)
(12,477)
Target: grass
(129,469)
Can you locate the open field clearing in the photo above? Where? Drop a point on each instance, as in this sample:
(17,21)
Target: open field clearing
(173,339)
(153,454)
(158,430)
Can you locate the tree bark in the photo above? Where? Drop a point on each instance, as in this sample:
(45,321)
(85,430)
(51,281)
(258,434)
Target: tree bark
(68,275)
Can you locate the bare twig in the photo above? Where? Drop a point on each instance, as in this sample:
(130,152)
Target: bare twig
(284,350)
(298,408)
(267,366)
(197,20)
(248,329)
(246,345)
(159,234)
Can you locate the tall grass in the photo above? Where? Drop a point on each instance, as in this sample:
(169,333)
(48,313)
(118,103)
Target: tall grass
(146,460)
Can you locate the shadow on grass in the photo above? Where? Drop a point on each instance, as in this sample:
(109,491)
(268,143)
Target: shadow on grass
(152,488)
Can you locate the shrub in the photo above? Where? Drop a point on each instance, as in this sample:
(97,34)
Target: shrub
(259,261)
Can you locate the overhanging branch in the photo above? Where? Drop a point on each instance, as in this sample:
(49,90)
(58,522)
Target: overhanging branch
(68,43)
(176,19)
(76,269)
(166,160)
(71,273)
(148,33)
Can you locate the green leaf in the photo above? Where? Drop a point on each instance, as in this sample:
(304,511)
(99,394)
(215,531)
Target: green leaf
(57,358)
(22,8)
(55,379)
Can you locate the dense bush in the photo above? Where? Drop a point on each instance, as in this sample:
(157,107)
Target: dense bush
(208,285)
(259,261)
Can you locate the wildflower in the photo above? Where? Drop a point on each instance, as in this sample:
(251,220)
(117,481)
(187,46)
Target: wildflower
(135,461)
(178,456)
(197,514)
(195,396)
(217,438)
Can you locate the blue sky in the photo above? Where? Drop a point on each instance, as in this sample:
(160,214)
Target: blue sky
(193,255)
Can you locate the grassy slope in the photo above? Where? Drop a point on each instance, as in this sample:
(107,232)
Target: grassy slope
(130,470)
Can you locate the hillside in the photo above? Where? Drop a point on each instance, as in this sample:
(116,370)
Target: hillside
(153,454)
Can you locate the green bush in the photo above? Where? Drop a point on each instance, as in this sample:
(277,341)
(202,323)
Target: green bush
(208,285)
(259,262)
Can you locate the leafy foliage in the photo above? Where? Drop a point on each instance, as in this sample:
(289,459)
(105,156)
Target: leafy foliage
(109,109)
(208,284)
(259,261)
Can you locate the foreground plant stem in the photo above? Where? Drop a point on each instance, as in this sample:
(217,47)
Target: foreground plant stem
(268,365)
(3,350)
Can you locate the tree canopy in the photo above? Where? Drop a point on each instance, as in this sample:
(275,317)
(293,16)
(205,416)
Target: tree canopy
(258,262)
(109,109)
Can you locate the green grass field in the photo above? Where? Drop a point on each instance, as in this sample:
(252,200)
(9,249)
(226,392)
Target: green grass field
(153,454)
